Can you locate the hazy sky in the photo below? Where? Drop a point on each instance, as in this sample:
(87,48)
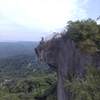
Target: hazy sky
(28,20)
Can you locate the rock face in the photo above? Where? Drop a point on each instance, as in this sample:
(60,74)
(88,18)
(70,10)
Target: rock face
(62,57)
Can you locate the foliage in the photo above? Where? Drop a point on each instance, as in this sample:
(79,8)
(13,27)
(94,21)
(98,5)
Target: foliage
(88,47)
(31,88)
(85,89)
(16,48)
(85,34)
(22,75)
(20,66)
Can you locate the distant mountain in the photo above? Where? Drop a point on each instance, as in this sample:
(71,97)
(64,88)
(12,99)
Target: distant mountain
(22,75)
(16,48)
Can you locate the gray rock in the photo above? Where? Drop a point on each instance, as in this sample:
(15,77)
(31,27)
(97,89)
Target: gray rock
(62,57)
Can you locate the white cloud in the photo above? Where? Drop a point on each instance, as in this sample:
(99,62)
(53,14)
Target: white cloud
(37,13)
(85,1)
(82,2)
(42,15)
(98,22)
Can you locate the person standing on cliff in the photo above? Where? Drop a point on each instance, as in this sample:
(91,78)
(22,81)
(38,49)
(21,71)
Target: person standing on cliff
(42,38)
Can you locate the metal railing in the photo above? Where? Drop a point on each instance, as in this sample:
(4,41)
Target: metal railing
(52,36)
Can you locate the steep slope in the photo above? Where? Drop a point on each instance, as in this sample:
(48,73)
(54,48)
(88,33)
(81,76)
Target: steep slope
(63,58)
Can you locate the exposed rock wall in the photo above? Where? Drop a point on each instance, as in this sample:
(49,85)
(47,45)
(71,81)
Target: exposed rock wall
(63,57)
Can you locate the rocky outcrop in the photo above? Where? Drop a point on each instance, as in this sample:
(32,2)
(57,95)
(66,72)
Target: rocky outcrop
(63,57)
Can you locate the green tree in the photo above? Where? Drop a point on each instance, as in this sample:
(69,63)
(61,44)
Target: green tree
(85,89)
(84,33)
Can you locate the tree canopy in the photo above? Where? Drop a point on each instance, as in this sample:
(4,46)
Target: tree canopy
(85,34)
(85,89)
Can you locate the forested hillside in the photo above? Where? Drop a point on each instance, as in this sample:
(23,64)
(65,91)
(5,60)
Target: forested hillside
(16,48)
(20,66)
(22,75)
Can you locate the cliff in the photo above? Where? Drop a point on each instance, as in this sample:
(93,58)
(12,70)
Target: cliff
(62,57)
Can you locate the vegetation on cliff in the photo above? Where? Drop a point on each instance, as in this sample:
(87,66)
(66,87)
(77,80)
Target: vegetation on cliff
(87,88)
(85,34)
